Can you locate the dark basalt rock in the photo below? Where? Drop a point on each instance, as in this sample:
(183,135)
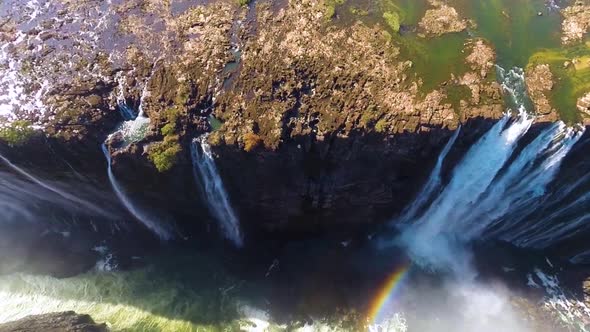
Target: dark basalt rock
(55,322)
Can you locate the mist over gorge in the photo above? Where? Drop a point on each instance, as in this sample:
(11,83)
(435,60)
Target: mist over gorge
(295,165)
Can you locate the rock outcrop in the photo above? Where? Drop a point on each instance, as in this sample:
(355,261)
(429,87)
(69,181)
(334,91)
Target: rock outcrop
(442,19)
(55,322)
(584,104)
(539,82)
(576,22)
(304,105)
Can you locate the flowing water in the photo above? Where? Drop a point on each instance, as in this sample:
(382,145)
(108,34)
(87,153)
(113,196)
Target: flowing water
(218,202)
(144,217)
(17,193)
(132,131)
(506,186)
(493,188)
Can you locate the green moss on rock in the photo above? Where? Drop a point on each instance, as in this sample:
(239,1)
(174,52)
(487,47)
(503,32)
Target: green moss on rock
(393,20)
(17,133)
(164,154)
(330,9)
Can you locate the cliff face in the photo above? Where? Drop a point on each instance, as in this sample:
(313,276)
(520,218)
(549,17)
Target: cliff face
(320,123)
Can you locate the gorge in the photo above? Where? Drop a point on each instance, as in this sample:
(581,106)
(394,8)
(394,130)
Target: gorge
(295,165)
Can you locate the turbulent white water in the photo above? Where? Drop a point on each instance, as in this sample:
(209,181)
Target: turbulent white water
(217,199)
(494,191)
(431,185)
(490,186)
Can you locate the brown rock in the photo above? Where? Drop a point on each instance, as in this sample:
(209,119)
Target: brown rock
(441,19)
(576,22)
(55,322)
(539,81)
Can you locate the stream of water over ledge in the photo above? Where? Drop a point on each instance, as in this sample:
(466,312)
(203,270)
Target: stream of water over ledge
(296,165)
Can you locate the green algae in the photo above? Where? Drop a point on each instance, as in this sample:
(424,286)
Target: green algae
(393,20)
(571,68)
(455,94)
(513,27)
(435,60)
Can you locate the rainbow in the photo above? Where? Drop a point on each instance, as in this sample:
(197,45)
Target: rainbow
(386,293)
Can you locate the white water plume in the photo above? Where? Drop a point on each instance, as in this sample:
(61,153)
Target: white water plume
(135,128)
(132,131)
(217,199)
(433,183)
(490,186)
(494,191)
(141,215)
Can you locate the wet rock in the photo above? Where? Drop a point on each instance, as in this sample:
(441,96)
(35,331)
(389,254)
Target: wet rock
(56,322)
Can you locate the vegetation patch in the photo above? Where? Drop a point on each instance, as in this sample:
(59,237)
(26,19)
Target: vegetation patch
(330,10)
(164,154)
(369,117)
(17,133)
(393,20)
(358,11)
(381,126)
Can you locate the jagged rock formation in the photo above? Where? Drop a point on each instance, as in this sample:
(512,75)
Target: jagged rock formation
(584,104)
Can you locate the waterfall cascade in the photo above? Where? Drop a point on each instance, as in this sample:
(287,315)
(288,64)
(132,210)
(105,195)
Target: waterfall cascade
(133,131)
(137,212)
(217,199)
(495,189)
(431,185)
(26,194)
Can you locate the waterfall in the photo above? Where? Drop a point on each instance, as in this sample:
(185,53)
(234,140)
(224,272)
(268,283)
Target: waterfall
(81,203)
(494,190)
(431,185)
(217,199)
(139,214)
(126,112)
(133,131)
